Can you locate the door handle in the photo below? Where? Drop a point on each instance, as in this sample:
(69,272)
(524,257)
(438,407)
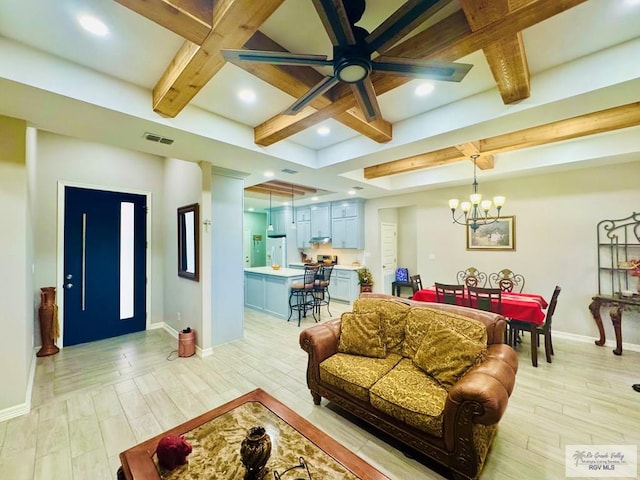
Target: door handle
(68,285)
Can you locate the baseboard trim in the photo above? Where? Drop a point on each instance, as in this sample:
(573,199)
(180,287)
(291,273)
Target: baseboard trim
(585,339)
(25,407)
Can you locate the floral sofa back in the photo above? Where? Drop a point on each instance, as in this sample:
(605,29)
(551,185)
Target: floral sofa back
(437,377)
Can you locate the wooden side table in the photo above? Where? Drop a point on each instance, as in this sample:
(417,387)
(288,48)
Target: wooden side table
(617,305)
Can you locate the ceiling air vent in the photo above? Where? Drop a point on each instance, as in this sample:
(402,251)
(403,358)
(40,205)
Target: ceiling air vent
(289,171)
(357,188)
(154,137)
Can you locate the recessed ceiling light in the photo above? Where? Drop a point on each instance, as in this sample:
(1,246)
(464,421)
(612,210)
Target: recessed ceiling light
(324,131)
(351,192)
(424,89)
(247,96)
(315,199)
(93,25)
(285,203)
(268,173)
(251,209)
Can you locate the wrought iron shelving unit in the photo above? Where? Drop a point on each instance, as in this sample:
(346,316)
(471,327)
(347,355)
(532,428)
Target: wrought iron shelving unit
(618,242)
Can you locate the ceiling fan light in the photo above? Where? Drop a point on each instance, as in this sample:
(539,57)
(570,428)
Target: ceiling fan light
(424,89)
(352,70)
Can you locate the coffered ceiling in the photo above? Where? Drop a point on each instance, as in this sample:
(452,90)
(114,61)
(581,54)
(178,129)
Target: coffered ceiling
(545,73)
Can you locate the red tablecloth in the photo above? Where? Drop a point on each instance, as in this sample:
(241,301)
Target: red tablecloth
(519,306)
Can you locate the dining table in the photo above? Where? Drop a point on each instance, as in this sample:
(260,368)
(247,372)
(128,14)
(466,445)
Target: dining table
(526,307)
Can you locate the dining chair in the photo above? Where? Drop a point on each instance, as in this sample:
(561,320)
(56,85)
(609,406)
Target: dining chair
(449,294)
(402,280)
(536,331)
(472,277)
(507,281)
(488,299)
(416,283)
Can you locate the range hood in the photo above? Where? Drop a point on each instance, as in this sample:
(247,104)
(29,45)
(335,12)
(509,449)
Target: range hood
(320,240)
(277,235)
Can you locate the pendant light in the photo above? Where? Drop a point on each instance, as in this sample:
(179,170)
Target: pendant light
(270,227)
(475,212)
(293,211)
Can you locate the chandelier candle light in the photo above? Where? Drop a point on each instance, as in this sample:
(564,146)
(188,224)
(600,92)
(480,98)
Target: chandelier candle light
(476,211)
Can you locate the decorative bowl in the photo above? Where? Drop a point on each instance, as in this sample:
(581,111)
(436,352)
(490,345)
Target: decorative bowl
(275,266)
(627,293)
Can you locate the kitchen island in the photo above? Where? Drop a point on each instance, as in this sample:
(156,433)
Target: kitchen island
(343,285)
(267,290)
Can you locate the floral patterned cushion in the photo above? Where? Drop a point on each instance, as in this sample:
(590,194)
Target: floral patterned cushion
(362,334)
(446,353)
(393,316)
(355,374)
(409,395)
(419,319)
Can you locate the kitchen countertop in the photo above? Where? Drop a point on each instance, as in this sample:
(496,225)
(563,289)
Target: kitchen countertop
(337,267)
(282,272)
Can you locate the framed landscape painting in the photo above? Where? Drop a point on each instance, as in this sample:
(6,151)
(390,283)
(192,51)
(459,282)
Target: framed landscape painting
(500,235)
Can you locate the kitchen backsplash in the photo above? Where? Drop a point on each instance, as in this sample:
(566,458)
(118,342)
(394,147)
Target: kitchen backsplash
(345,256)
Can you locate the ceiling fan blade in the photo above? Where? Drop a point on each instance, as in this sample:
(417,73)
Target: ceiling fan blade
(336,22)
(366,98)
(278,58)
(318,89)
(409,67)
(403,21)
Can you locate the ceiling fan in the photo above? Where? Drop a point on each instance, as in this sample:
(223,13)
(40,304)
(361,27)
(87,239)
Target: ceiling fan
(352,49)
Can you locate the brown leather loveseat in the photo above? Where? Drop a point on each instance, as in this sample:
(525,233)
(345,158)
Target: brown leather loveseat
(435,377)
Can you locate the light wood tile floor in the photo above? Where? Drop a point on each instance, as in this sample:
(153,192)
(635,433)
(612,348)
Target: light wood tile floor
(90,402)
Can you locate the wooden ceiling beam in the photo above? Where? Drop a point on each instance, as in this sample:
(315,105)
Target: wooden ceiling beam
(302,189)
(448,40)
(615,118)
(415,162)
(191,19)
(234,22)
(267,190)
(507,58)
(484,162)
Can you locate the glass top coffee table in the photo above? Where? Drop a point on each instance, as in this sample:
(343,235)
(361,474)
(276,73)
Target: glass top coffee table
(216,437)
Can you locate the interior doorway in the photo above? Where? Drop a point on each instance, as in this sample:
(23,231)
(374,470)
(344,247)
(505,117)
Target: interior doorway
(388,254)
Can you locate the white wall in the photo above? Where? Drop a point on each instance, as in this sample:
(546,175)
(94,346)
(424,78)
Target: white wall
(183,301)
(16,281)
(556,217)
(82,163)
(227,259)
(408,239)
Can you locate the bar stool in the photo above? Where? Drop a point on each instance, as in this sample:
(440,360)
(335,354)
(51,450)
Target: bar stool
(301,296)
(321,294)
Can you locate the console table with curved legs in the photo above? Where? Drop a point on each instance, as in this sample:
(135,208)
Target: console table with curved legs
(617,305)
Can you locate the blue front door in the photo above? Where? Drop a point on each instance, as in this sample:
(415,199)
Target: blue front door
(104,264)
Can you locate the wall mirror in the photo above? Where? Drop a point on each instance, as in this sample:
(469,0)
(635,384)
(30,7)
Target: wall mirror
(189,242)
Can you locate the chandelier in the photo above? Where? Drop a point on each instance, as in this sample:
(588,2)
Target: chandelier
(475,212)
